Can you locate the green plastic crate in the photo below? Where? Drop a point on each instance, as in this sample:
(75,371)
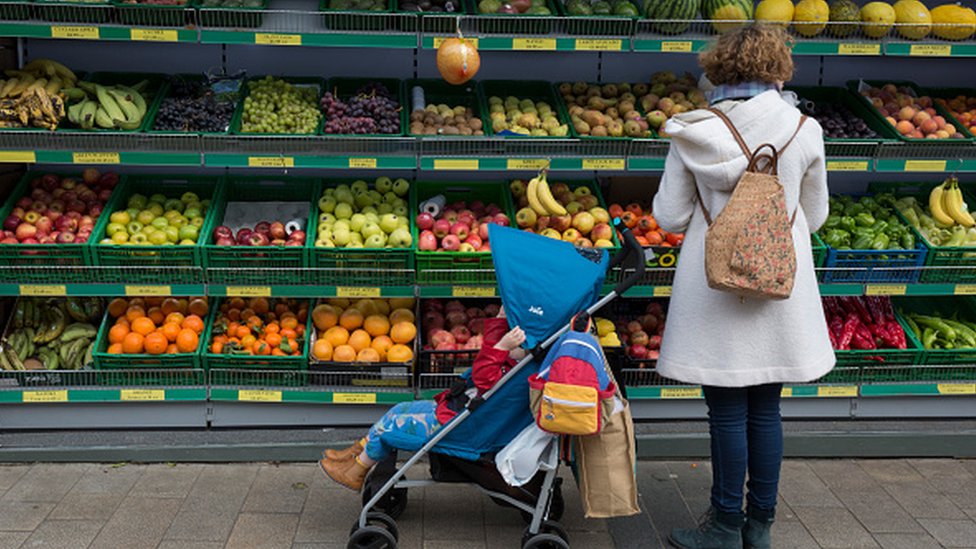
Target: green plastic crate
(251,265)
(440,92)
(966,139)
(965,373)
(515,24)
(154,15)
(535,90)
(74,12)
(119,368)
(151,93)
(299,81)
(564,108)
(891,357)
(363,20)
(472,268)
(963,257)
(167,93)
(363,266)
(14,10)
(225,369)
(234,17)
(948,94)
(819,250)
(960,307)
(345,88)
(601,25)
(172,186)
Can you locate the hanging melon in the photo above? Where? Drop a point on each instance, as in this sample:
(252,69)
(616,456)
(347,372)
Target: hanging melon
(458,60)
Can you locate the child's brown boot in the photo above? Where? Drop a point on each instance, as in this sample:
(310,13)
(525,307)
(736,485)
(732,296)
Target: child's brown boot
(350,474)
(344,455)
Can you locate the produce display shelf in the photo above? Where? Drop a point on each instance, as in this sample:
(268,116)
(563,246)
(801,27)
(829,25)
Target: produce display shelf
(31,29)
(81,394)
(303,290)
(310,396)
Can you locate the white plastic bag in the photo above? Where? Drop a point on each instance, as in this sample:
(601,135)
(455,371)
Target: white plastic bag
(519,461)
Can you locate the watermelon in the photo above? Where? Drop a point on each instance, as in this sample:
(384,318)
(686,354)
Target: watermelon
(669,11)
(726,10)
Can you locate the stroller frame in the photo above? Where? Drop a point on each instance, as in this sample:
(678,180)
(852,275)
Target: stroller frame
(633,253)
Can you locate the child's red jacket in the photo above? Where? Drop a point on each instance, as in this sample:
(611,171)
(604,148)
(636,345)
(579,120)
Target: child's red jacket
(489,366)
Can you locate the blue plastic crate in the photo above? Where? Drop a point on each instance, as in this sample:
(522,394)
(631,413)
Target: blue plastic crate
(874,266)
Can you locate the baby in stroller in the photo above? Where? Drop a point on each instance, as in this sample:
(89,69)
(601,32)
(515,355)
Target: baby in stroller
(418,420)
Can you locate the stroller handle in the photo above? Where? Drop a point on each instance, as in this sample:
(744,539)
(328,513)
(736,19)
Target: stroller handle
(631,256)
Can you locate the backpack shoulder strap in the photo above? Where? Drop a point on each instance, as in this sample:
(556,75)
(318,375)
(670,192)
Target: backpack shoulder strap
(735,133)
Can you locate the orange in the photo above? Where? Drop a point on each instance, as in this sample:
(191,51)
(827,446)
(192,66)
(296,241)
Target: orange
(377,325)
(171,330)
(278,352)
(325,316)
(368,355)
(401,315)
(143,326)
(403,332)
(115,349)
(155,343)
(193,322)
(117,307)
(260,305)
(255,321)
(246,314)
(399,353)
(236,303)
(170,305)
(134,312)
(243,331)
(248,341)
(117,333)
(292,334)
(187,341)
(382,345)
(234,314)
(261,348)
(156,315)
(322,350)
(132,344)
(137,302)
(351,319)
(273,339)
(176,318)
(272,328)
(198,306)
(303,315)
(344,353)
(290,321)
(217,347)
(154,301)
(360,340)
(172,349)
(121,321)
(336,335)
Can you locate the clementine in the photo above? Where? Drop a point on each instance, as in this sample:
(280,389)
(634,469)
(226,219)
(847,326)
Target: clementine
(344,353)
(403,332)
(115,349)
(117,333)
(351,319)
(171,330)
(360,340)
(155,343)
(368,355)
(336,335)
(322,350)
(399,353)
(133,343)
(117,307)
(187,341)
(143,326)
(377,325)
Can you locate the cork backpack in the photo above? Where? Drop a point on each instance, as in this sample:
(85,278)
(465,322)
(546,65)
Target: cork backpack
(749,247)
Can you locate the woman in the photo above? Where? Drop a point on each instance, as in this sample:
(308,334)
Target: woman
(742,350)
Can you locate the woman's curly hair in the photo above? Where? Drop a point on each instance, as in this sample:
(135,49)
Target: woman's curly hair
(755,52)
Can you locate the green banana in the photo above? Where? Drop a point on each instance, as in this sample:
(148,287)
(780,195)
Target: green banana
(13,360)
(74,114)
(4,363)
(88,87)
(107,102)
(49,358)
(78,330)
(74,94)
(129,108)
(140,85)
(88,111)
(103,119)
(76,309)
(89,354)
(125,125)
(35,314)
(53,328)
(19,312)
(136,97)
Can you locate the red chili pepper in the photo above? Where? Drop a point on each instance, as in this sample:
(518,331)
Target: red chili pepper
(850,327)
(863,339)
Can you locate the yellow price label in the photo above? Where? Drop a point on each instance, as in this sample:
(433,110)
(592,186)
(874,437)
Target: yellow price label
(20,157)
(473,291)
(362,162)
(680,46)
(859,49)
(43,290)
(96,158)
(75,33)
(604,164)
(837,391)
(847,166)
(46,396)
(142,394)
(248,291)
(662,291)
(957,388)
(354,398)
(885,289)
(787,392)
(154,35)
(269,39)
(594,44)
(258,396)
(438,40)
(533,43)
(456,164)
(930,50)
(357,291)
(526,163)
(681,392)
(133,291)
(964,289)
(270,162)
(925,165)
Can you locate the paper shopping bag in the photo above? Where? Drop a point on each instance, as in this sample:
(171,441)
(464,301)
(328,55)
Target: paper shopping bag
(606,465)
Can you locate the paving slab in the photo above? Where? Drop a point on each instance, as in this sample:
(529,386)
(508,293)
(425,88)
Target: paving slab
(453,513)
(907,541)
(63,534)
(166,480)
(46,482)
(799,485)
(792,534)
(210,510)
(263,531)
(834,527)
(139,522)
(184,544)
(921,500)
(890,471)
(662,500)
(280,489)
(10,474)
(109,479)
(694,481)
(951,533)
(879,512)
(329,512)
(22,516)
(87,507)
(12,540)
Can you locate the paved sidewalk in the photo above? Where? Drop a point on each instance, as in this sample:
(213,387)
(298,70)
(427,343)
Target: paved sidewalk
(916,504)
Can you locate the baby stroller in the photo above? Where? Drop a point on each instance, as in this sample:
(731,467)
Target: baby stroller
(542,297)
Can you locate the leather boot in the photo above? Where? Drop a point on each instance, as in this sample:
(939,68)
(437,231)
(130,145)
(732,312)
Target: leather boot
(344,455)
(756,533)
(717,530)
(350,474)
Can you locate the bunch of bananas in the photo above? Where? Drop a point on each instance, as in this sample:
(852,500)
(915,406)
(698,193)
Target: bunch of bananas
(33,96)
(51,334)
(108,107)
(540,197)
(947,205)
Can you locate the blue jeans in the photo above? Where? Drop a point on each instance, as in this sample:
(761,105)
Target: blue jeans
(747,434)
(406,426)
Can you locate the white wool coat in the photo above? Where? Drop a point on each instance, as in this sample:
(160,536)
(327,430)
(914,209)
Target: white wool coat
(713,337)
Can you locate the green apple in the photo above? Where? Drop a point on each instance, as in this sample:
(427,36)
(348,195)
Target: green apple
(121,217)
(174,204)
(372,216)
(343,187)
(187,242)
(357,221)
(170,214)
(157,197)
(324,243)
(108,241)
(400,238)
(139,238)
(145,217)
(376,196)
(404,222)
(189,197)
(133,213)
(369,210)
(385,209)
(327,220)
(156,208)
(401,187)
(356,238)
(148,230)
(355,245)
(345,197)
(179,221)
(120,237)
(325,234)
(205,203)
(341,224)
(400,202)
(391,197)
(363,199)
(400,211)
(190,213)
(384,184)
(172,234)
(113,228)
(375,241)
(329,192)
(188,232)
(343,211)
(359,186)
(134,227)
(370,228)
(327,204)
(389,223)
(137,201)
(197,222)
(341,236)
(160,223)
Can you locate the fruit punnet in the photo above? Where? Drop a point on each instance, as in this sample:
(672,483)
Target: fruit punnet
(609,110)
(675,17)
(911,116)
(355,216)
(560,212)
(726,14)
(157,220)
(156,325)
(365,330)
(59,210)
(275,106)
(190,106)
(259,327)
(372,109)
(443,119)
(460,227)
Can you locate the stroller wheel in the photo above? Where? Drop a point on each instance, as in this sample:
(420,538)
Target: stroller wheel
(545,541)
(381,521)
(371,537)
(394,503)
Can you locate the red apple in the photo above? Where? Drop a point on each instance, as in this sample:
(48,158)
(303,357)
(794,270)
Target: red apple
(41,207)
(455,305)
(65,238)
(655,308)
(474,240)
(446,347)
(441,336)
(277,230)
(263,227)
(76,206)
(442,227)
(476,325)
(637,351)
(65,223)
(90,176)
(654,342)
(483,232)
(243,236)
(461,334)
(11,222)
(460,230)
(456,318)
(18,211)
(451,243)
(256,239)
(25,230)
(223,231)
(425,221)
(561,222)
(109,180)
(104,195)
(502,219)
(486,247)
(427,241)
(293,242)
(29,240)
(450,215)
(639,338)
(298,236)
(25,202)
(9,240)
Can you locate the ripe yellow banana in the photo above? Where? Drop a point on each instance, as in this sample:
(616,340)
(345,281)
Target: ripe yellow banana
(531,194)
(955,206)
(548,201)
(935,206)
